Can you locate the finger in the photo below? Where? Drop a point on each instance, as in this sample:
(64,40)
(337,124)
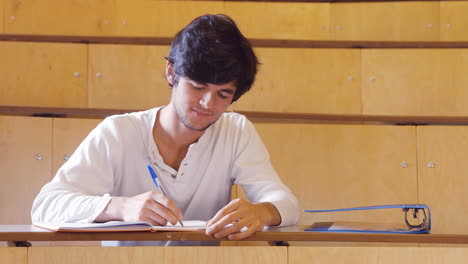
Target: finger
(168,203)
(153,218)
(234,228)
(161,210)
(230,207)
(226,222)
(242,235)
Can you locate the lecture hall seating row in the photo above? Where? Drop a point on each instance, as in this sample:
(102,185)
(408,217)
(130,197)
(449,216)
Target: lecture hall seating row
(352,165)
(398,82)
(231,255)
(365,21)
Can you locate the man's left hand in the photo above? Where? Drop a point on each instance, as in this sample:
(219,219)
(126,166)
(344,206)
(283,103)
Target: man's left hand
(230,221)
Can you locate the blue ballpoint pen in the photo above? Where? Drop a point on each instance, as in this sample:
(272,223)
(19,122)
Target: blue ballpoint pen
(154,176)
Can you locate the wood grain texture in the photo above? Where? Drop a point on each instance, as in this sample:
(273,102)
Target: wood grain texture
(127,76)
(2,15)
(14,255)
(444,185)
(424,82)
(338,166)
(68,134)
(67,17)
(175,255)
(305,81)
(172,16)
(453,21)
(377,255)
(23,175)
(390,21)
(268,20)
(43,74)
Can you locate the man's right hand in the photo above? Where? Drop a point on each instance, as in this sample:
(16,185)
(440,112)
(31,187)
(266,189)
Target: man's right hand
(153,207)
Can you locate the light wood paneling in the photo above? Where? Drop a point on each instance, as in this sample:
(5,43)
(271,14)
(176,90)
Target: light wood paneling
(23,172)
(380,255)
(444,185)
(60,17)
(269,20)
(133,18)
(174,255)
(2,6)
(391,21)
(336,166)
(127,76)
(14,255)
(68,134)
(43,74)
(306,81)
(422,82)
(172,16)
(453,21)
(89,18)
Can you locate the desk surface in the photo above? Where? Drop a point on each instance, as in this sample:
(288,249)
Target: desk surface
(292,233)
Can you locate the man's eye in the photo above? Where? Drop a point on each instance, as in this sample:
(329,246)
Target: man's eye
(224,96)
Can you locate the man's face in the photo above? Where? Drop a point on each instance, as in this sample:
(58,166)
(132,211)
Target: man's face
(199,105)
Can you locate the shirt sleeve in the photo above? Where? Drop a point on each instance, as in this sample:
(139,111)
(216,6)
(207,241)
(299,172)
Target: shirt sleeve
(252,170)
(78,191)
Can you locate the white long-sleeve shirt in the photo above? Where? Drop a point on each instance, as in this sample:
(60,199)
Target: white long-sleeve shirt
(113,160)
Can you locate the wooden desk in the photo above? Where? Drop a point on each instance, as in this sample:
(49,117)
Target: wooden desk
(293,233)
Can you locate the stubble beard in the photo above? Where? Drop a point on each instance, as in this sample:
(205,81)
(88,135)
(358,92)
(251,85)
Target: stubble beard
(183,118)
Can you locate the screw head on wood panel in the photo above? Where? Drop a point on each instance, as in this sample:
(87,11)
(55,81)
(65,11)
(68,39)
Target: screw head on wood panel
(99,75)
(431,164)
(429,25)
(66,157)
(76,74)
(339,27)
(404,164)
(350,78)
(372,79)
(12,18)
(38,156)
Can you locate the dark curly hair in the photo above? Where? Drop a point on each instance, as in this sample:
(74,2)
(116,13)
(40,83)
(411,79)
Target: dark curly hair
(211,49)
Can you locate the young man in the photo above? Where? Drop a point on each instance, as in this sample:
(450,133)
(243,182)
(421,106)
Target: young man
(196,150)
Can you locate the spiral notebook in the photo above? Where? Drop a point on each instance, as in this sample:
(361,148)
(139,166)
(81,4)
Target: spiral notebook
(420,222)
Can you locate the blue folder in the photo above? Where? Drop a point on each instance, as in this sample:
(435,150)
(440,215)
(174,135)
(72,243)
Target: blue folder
(416,210)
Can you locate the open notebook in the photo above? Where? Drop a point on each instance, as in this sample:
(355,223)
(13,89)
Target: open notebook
(116,226)
(416,212)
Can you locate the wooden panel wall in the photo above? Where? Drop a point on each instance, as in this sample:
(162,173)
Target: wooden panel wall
(385,21)
(2,7)
(25,161)
(43,74)
(14,255)
(127,77)
(415,82)
(60,17)
(281,20)
(336,166)
(442,175)
(175,255)
(305,81)
(381,255)
(453,21)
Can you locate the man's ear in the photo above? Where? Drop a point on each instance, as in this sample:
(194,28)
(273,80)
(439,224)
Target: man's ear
(169,73)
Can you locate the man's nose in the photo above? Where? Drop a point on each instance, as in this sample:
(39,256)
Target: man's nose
(207,100)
